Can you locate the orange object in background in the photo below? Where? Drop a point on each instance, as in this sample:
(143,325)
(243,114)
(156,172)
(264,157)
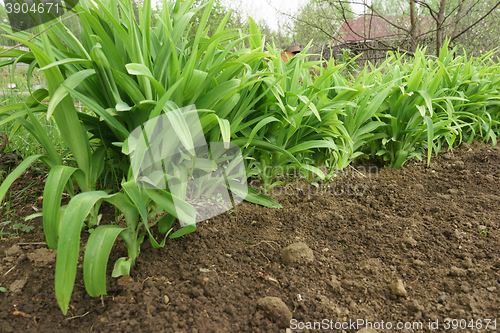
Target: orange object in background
(285,56)
(290,53)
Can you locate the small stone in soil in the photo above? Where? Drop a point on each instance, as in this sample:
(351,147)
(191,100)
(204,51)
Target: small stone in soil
(442,298)
(410,241)
(455,271)
(467,263)
(397,288)
(366,330)
(417,262)
(276,310)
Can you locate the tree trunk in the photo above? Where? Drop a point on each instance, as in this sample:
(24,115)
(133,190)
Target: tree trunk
(458,17)
(413,28)
(439,27)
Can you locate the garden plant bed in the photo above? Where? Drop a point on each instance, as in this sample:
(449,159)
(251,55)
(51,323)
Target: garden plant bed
(435,228)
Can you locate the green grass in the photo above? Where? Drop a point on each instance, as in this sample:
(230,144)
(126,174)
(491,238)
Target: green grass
(27,145)
(20,138)
(19,77)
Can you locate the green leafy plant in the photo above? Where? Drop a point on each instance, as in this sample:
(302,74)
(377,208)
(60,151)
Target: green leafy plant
(4,231)
(125,72)
(425,106)
(22,227)
(352,68)
(294,123)
(219,199)
(484,232)
(11,229)
(131,67)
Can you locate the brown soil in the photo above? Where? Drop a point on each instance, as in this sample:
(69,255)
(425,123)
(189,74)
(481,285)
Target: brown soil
(435,229)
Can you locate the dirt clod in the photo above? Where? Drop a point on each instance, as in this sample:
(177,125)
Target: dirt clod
(276,310)
(208,281)
(14,250)
(455,271)
(297,254)
(42,257)
(18,285)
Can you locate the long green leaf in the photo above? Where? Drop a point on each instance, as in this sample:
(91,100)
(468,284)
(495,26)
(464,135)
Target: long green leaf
(71,82)
(114,124)
(7,182)
(69,244)
(96,258)
(52,195)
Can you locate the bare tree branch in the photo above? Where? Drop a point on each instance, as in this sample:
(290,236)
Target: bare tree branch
(473,24)
(442,18)
(431,11)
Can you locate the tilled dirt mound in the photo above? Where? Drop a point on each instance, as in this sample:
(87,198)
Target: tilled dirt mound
(409,250)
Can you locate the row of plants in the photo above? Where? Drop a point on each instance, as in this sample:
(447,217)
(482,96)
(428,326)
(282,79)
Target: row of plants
(130,68)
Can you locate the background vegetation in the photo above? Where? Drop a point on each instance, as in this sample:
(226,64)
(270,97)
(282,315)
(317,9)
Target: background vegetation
(471,25)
